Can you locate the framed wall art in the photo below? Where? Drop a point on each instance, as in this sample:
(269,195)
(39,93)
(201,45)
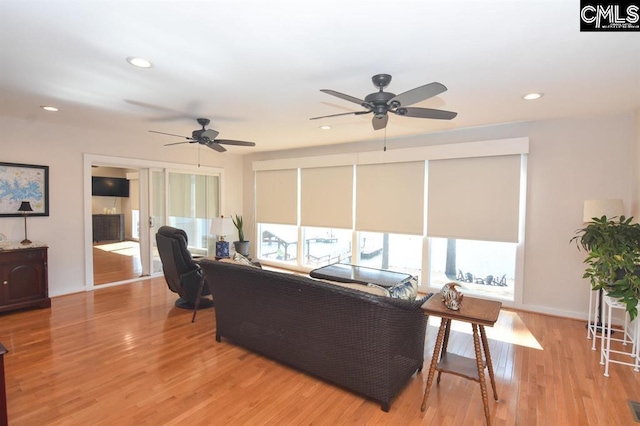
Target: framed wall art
(24,182)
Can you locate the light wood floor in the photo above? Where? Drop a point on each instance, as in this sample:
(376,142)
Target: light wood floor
(116,261)
(126,356)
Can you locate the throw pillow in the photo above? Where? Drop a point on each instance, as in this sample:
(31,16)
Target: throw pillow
(239,259)
(379,290)
(369,288)
(244,261)
(408,289)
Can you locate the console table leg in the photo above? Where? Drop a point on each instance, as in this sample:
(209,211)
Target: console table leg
(434,361)
(487,355)
(483,384)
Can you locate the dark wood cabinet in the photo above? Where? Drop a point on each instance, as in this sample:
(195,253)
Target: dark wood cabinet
(108,227)
(24,278)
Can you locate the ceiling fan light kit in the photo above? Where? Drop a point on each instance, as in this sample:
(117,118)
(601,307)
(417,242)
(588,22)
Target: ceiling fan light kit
(206,137)
(381,103)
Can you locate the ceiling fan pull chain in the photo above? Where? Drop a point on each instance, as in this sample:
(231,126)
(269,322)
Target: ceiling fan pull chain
(385,139)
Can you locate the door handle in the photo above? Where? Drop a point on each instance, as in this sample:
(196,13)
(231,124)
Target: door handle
(151,222)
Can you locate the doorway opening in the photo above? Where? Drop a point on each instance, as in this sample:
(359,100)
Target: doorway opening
(115,222)
(120,230)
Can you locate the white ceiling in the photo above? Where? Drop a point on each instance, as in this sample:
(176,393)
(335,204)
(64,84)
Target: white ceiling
(255,67)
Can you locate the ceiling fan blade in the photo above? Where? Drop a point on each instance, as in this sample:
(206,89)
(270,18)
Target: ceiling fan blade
(177,143)
(343,96)
(210,134)
(215,146)
(169,134)
(344,113)
(380,123)
(236,143)
(436,114)
(419,94)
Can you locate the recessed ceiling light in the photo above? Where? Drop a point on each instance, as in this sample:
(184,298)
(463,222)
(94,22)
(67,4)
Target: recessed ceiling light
(532,96)
(325,127)
(139,62)
(49,108)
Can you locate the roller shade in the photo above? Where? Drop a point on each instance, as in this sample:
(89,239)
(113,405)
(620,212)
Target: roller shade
(277,196)
(390,198)
(326,197)
(193,196)
(474,198)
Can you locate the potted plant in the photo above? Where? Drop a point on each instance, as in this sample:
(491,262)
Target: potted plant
(613,260)
(241,246)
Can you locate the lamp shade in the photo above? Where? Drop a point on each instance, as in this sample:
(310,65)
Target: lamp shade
(25,206)
(599,208)
(222,226)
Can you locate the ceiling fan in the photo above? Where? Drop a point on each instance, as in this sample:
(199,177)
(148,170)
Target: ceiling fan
(380,103)
(206,137)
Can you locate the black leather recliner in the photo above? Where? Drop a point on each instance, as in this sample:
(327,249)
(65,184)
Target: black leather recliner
(182,273)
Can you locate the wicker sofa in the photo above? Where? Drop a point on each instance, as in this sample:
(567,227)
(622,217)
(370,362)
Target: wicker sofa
(368,344)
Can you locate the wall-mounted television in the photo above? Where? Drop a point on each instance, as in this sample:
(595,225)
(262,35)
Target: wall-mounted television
(109,186)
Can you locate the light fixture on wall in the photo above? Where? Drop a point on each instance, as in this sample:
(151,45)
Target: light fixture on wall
(598,208)
(222,226)
(25,207)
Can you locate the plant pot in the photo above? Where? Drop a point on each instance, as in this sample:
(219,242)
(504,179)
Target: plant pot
(242,247)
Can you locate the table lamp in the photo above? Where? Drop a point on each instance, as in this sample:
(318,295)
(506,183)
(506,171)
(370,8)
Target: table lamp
(222,226)
(24,208)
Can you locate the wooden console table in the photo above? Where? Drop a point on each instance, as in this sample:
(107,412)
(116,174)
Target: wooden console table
(478,312)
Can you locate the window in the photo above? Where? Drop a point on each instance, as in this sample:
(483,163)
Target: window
(485,268)
(193,201)
(396,252)
(278,242)
(323,246)
(378,210)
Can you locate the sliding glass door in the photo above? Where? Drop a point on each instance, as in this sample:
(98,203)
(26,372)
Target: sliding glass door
(193,200)
(186,201)
(157,214)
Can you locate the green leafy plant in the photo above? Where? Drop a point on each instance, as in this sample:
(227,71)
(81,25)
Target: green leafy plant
(613,258)
(238,223)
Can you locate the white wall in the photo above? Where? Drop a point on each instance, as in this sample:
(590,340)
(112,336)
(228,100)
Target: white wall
(570,160)
(62,149)
(636,202)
